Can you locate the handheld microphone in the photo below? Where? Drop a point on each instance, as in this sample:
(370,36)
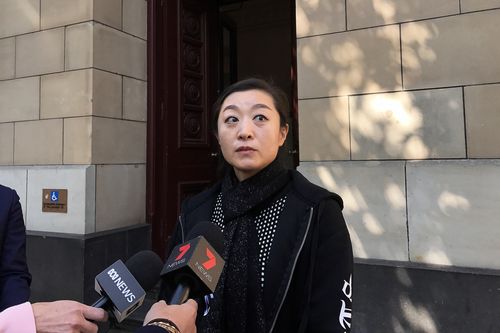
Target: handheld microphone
(193,268)
(122,286)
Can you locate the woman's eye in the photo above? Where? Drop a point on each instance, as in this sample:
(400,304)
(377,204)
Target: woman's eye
(260,117)
(231,119)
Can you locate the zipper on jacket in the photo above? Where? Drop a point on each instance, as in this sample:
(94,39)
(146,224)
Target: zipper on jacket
(293,269)
(182,228)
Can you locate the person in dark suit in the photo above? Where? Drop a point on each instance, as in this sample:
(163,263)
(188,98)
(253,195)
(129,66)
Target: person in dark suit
(15,278)
(67,316)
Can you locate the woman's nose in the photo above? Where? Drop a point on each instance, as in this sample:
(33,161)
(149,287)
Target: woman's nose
(245,130)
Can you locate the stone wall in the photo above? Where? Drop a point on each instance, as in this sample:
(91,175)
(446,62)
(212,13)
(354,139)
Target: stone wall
(399,114)
(73,110)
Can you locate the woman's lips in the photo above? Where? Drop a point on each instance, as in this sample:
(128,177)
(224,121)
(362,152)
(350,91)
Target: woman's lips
(245,148)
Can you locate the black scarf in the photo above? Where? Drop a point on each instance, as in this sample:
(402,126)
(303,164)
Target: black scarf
(238,306)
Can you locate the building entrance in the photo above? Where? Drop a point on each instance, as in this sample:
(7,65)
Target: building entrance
(195,49)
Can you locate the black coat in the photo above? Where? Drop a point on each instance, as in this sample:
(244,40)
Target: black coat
(309,288)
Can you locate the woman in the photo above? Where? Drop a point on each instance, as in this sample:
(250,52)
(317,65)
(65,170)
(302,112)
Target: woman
(286,245)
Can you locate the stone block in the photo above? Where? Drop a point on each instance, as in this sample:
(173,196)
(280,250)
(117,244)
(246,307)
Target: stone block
(324,129)
(79,46)
(472,5)
(19,99)
(119,52)
(451,51)
(351,62)
(6,144)
(81,93)
(67,94)
(38,142)
(7,58)
(16,178)
(120,196)
(40,53)
(375,204)
(408,125)
(57,13)
(319,17)
(107,94)
(80,183)
(369,13)
(19,17)
(78,140)
(453,212)
(118,141)
(108,12)
(482,114)
(135,18)
(134,99)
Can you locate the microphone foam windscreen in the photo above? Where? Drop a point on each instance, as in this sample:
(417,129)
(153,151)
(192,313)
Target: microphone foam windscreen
(145,266)
(211,232)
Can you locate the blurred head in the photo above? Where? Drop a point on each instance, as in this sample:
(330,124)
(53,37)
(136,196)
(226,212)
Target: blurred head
(250,123)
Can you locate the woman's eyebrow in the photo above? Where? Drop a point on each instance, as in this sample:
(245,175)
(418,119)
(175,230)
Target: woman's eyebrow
(260,106)
(254,107)
(230,107)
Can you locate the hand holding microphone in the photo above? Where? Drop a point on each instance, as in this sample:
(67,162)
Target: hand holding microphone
(182,316)
(122,286)
(66,317)
(193,268)
(122,289)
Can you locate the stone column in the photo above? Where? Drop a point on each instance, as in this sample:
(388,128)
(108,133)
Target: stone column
(73,116)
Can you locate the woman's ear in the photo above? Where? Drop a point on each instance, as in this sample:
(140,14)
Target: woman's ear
(283,134)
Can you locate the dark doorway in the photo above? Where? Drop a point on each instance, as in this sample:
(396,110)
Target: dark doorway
(257,38)
(195,49)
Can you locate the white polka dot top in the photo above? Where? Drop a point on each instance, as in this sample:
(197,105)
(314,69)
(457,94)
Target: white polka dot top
(265,223)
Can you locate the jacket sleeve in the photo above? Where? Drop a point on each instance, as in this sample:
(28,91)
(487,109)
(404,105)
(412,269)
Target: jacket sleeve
(15,278)
(331,290)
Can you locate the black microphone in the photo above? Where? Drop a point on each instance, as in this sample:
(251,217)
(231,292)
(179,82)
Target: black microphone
(193,268)
(122,286)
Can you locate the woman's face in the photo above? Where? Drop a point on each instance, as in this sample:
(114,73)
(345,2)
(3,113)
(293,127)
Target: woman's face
(249,131)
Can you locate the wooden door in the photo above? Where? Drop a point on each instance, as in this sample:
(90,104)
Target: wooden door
(182,84)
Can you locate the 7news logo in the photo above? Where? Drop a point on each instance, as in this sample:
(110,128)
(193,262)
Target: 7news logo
(210,263)
(183,250)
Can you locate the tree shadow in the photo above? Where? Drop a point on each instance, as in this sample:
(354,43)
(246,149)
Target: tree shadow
(364,113)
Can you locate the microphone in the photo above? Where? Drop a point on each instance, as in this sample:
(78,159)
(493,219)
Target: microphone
(193,268)
(122,286)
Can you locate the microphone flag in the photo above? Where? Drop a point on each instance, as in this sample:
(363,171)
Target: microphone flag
(195,259)
(120,286)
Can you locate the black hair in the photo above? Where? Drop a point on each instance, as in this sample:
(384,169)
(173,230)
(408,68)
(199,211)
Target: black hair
(279,98)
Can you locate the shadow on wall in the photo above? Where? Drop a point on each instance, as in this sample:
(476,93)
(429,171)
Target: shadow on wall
(403,300)
(447,219)
(370,117)
(384,120)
